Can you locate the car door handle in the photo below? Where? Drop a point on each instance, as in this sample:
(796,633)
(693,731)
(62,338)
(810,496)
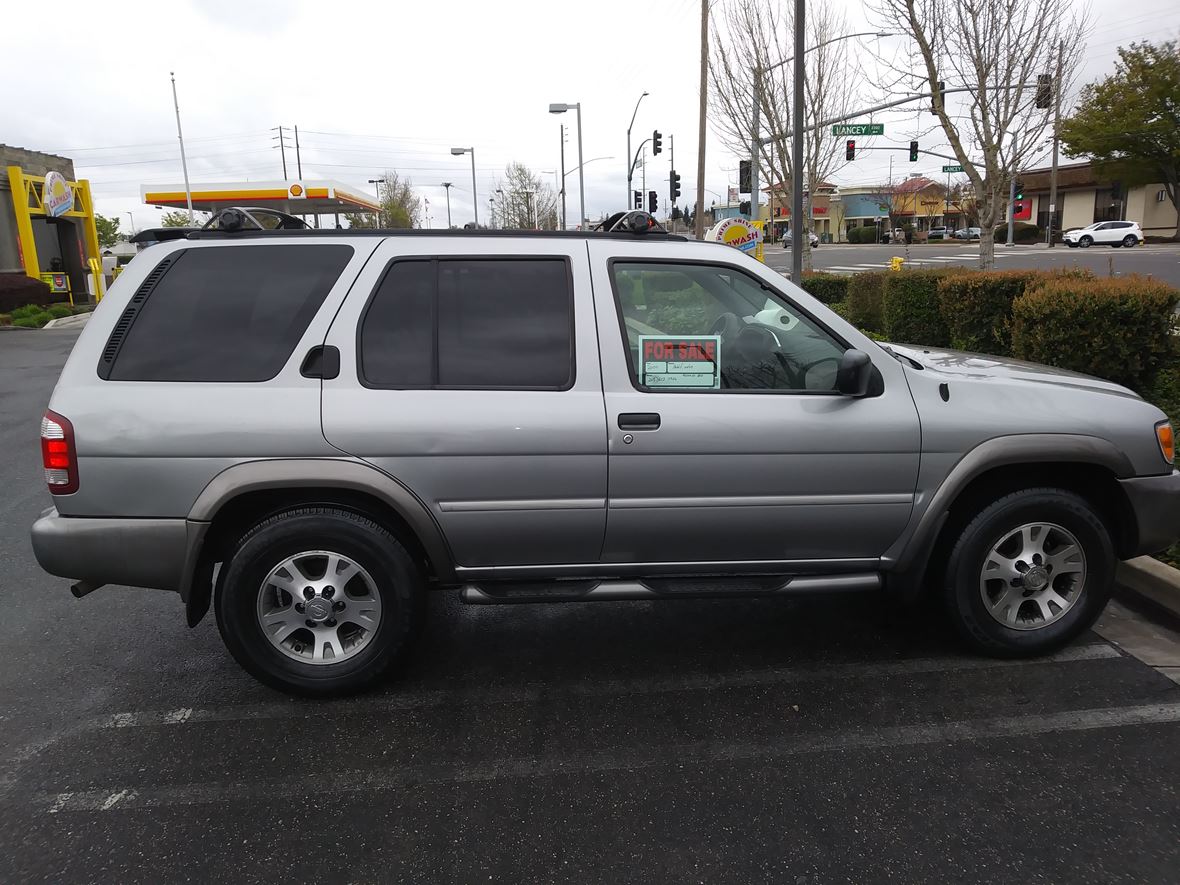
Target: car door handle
(639,421)
(322,361)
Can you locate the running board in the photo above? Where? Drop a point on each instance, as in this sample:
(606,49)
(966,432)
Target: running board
(665,588)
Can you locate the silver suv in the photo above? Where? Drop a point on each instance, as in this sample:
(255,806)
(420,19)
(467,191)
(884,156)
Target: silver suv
(313,429)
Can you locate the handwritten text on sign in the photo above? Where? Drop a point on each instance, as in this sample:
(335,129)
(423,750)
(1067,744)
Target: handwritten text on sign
(690,361)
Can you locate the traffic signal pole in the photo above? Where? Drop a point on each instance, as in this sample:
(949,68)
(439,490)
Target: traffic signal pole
(1056,128)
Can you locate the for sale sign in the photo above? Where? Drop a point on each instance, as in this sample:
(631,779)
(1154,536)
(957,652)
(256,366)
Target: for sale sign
(680,361)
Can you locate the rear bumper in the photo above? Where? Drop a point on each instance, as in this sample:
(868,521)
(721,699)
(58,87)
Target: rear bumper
(1155,501)
(136,552)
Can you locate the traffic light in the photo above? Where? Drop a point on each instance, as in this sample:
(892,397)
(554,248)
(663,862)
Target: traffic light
(1017,207)
(638,199)
(656,142)
(934,104)
(744,176)
(653,202)
(1044,91)
(850,150)
(1019,189)
(913,152)
(744,207)
(674,186)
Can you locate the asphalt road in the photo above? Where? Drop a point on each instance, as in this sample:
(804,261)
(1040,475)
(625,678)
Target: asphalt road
(1160,261)
(700,741)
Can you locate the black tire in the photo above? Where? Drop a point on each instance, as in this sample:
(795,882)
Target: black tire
(1085,242)
(399,583)
(963,597)
(1130,242)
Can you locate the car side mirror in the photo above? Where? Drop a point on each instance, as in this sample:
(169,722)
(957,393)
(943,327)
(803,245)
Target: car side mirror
(854,374)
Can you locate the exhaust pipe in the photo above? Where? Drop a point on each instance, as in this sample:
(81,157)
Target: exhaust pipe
(81,588)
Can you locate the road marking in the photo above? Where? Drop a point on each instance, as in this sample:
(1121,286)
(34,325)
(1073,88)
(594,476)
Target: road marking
(706,753)
(531,693)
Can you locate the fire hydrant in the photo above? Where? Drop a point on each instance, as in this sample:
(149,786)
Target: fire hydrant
(896,262)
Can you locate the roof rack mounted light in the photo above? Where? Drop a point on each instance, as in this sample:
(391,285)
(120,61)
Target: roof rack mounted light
(235,218)
(634,221)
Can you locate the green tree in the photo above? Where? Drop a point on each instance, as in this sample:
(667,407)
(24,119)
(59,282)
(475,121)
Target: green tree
(179,218)
(1129,122)
(108,230)
(400,206)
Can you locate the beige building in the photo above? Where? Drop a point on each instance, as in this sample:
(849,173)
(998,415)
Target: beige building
(1084,197)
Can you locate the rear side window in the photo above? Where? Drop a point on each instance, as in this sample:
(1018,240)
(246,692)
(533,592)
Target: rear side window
(470,323)
(226,314)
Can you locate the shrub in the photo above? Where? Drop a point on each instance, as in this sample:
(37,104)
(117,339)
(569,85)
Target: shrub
(17,289)
(1022,232)
(866,300)
(977,308)
(1120,329)
(5,319)
(911,306)
(32,322)
(826,287)
(26,310)
(57,311)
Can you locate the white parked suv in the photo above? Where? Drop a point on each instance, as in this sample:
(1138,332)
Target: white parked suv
(1105,233)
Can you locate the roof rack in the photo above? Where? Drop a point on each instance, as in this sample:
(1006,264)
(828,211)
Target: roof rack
(244,222)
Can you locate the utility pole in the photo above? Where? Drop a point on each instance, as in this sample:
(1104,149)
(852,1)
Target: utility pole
(1056,128)
(671,168)
(282,148)
(563,176)
(699,214)
(1012,192)
(188,191)
(298,159)
(797,147)
(643,173)
(448,186)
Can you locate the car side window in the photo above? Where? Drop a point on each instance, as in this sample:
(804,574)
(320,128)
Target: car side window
(498,323)
(713,327)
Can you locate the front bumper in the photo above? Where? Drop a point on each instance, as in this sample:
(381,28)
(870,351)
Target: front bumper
(135,552)
(1155,502)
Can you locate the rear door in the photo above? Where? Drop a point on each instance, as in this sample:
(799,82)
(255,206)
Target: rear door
(469,372)
(728,442)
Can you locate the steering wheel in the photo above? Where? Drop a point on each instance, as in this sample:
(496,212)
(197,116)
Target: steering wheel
(728,326)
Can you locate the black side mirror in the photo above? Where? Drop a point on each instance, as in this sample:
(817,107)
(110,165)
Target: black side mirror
(854,374)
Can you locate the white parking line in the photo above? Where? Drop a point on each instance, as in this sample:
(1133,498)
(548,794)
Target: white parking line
(708,753)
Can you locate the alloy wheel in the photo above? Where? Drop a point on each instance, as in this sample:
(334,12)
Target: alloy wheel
(1032,576)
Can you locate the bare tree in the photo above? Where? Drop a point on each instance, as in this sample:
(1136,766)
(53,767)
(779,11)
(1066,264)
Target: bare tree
(751,37)
(995,48)
(524,201)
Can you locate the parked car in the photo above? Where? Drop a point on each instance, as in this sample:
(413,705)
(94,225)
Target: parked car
(938,233)
(967,233)
(1105,233)
(311,430)
(811,238)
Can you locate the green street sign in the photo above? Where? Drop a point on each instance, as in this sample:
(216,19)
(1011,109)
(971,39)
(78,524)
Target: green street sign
(955,168)
(858,129)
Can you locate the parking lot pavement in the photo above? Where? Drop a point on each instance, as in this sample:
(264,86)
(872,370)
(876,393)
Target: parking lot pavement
(804,741)
(1162,261)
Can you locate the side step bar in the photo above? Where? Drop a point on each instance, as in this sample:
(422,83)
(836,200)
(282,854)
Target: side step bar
(695,588)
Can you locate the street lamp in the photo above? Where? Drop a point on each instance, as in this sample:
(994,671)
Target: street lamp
(561,109)
(630,168)
(492,212)
(458,152)
(503,208)
(378,182)
(448,186)
(131,215)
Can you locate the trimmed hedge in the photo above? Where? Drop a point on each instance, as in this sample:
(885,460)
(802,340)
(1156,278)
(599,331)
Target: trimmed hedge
(866,300)
(1022,232)
(829,288)
(1119,329)
(911,306)
(57,311)
(977,306)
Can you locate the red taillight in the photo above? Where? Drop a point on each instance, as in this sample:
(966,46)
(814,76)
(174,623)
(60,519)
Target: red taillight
(58,455)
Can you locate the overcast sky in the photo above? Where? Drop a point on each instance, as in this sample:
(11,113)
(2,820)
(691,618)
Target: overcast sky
(376,86)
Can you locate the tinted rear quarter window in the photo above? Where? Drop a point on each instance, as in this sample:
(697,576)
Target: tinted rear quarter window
(229,314)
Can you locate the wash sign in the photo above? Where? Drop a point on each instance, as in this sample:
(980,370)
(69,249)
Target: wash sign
(680,361)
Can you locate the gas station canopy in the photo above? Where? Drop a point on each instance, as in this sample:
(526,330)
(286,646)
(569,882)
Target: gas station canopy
(292,197)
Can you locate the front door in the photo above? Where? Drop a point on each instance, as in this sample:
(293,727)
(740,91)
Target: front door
(473,380)
(728,441)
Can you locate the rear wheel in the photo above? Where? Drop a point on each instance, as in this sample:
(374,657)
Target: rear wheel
(1030,573)
(1130,241)
(318,601)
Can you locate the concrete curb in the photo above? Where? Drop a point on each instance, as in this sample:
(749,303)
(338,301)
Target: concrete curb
(1153,580)
(76,321)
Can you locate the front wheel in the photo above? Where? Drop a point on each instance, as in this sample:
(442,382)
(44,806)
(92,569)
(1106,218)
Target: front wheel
(318,601)
(1030,573)
(1085,242)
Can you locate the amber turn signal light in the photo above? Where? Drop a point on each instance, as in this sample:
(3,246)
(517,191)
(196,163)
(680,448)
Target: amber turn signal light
(1163,432)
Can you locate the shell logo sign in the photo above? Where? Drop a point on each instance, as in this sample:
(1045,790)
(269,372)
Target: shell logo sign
(296,190)
(56,197)
(739,233)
